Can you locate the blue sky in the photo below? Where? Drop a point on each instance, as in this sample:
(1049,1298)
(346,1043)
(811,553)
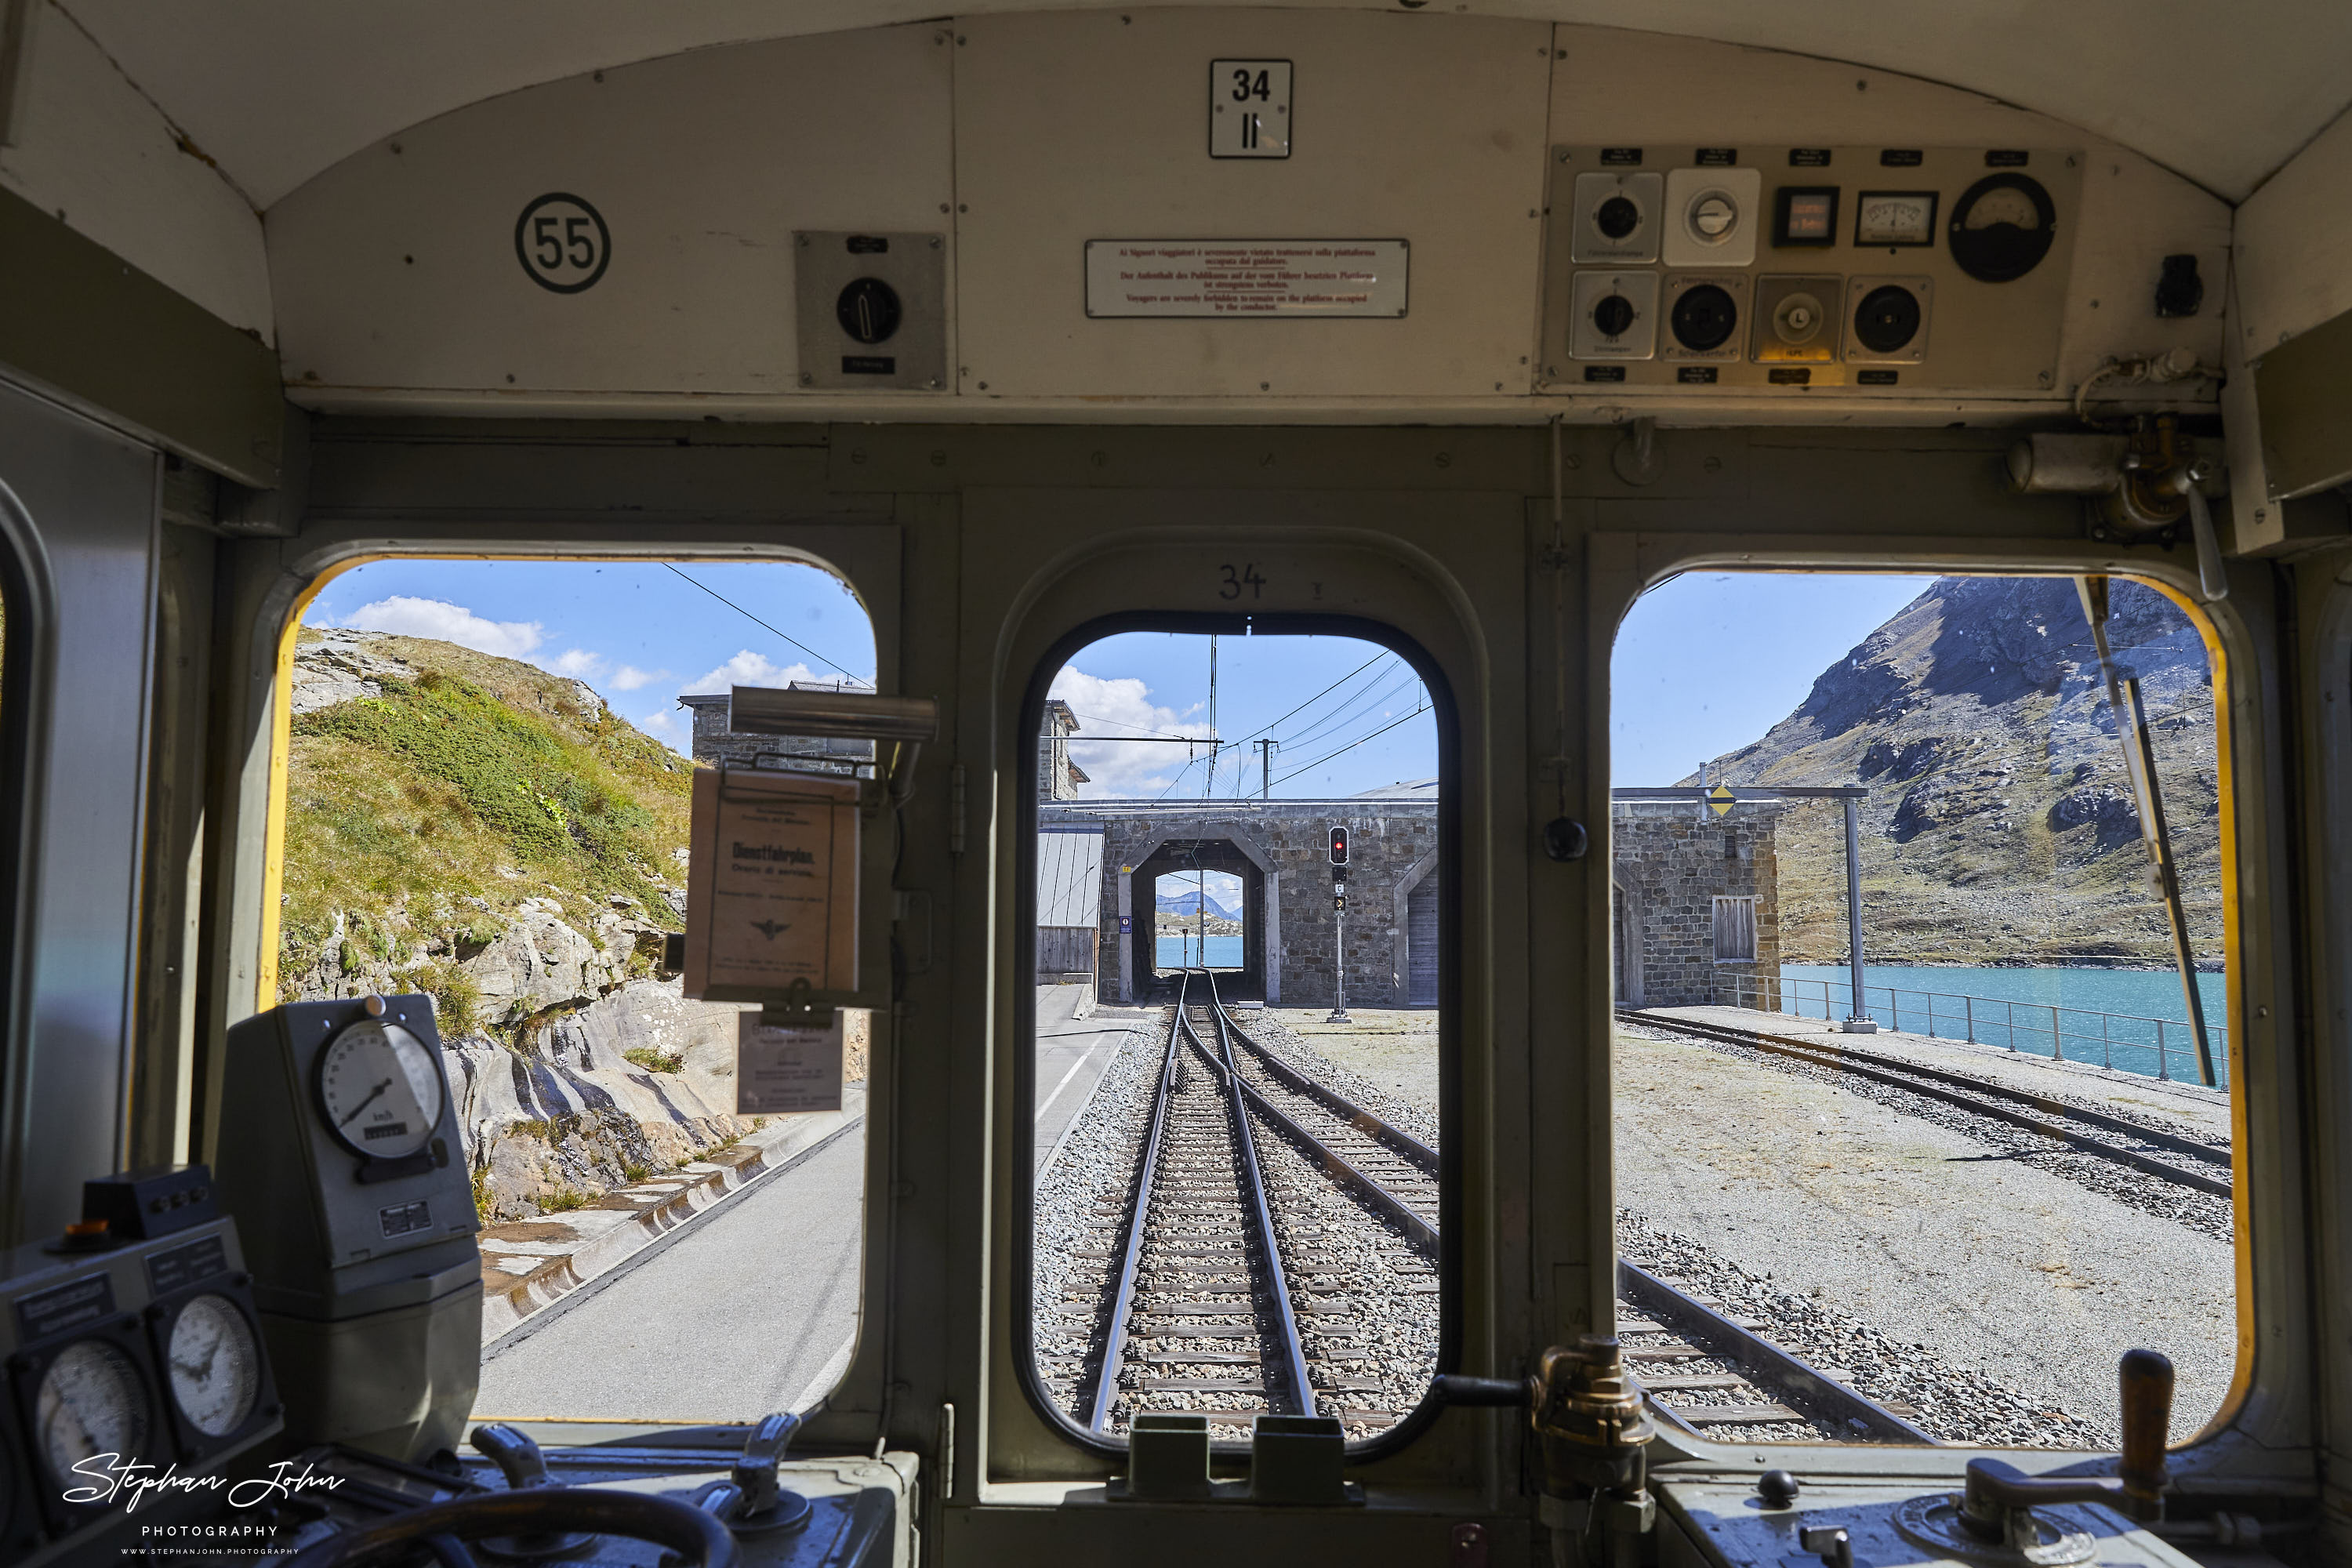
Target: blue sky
(1362,718)
(636,631)
(1706,663)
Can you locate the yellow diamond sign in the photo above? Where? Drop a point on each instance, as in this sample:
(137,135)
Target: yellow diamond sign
(1719,802)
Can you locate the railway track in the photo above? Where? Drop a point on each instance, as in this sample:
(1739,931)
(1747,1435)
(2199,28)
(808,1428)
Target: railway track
(2181,1161)
(1222,1286)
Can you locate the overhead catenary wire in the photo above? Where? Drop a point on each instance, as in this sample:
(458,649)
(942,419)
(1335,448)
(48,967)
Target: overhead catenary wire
(834,664)
(1353,745)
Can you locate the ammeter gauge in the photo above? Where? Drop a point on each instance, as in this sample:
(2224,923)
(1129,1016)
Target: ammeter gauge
(2003,228)
(90,1400)
(380,1089)
(215,1366)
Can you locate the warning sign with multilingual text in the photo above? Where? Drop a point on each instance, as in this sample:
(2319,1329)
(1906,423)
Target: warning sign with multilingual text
(1243,278)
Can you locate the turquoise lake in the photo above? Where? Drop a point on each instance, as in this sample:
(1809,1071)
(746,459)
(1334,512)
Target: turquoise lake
(1184,953)
(2112,1016)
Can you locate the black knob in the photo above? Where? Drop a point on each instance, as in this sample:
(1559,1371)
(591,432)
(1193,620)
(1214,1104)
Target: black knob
(1613,314)
(868,310)
(1617,217)
(1777,1488)
(1704,317)
(1888,319)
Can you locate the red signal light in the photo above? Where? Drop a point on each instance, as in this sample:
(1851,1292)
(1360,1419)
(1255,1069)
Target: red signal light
(1338,846)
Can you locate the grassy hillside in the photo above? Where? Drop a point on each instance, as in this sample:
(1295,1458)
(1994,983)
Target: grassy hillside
(419,820)
(2000,827)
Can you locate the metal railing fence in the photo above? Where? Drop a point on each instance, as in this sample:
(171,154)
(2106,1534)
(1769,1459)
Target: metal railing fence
(2153,1048)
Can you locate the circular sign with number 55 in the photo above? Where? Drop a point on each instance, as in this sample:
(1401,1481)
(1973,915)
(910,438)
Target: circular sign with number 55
(562,242)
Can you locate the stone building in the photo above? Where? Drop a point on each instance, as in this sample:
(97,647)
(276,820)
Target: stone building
(715,744)
(1694,902)
(1058,778)
(1290,932)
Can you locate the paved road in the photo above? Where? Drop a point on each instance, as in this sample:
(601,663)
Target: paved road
(1072,1054)
(750,1309)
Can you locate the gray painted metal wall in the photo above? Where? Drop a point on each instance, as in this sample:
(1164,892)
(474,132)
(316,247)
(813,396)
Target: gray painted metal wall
(89,506)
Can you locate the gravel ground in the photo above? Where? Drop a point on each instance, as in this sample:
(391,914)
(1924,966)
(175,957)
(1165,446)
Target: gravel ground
(2203,1211)
(1931,1235)
(1335,1251)
(1957,1404)
(1268,1029)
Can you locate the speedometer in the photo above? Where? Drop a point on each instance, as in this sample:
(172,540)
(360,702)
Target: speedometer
(380,1089)
(91,1400)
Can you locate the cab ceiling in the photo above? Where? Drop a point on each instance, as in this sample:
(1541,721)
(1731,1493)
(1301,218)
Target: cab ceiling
(275,92)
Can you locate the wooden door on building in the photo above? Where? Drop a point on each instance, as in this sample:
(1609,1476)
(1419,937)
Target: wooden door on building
(1421,943)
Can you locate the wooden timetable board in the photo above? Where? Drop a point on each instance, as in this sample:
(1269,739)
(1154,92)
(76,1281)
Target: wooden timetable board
(772,885)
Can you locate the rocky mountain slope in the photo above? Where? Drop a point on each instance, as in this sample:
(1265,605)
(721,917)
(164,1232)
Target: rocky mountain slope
(478,829)
(1999,827)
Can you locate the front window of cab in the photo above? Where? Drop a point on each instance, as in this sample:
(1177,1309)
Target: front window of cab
(1962,1189)
(487,802)
(1238,1151)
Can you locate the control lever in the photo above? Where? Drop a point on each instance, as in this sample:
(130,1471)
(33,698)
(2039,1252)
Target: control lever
(751,1499)
(525,1469)
(1830,1543)
(516,1456)
(1998,1504)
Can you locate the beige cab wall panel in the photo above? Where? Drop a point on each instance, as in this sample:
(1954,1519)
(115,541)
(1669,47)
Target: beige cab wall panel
(90,149)
(2292,239)
(1617,88)
(1075,127)
(398,267)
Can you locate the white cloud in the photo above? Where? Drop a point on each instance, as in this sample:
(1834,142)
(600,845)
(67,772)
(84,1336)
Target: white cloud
(749,668)
(672,727)
(628,678)
(1123,705)
(578,663)
(445,622)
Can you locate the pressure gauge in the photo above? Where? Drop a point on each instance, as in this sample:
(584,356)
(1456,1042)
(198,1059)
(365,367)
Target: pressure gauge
(91,1400)
(380,1089)
(214,1365)
(2003,228)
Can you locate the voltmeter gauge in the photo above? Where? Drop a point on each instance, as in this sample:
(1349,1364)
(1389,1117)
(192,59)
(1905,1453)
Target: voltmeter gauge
(2003,228)
(1895,217)
(91,1400)
(380,1089)
(214,1367)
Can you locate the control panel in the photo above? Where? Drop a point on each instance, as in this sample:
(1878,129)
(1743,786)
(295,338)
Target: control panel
(1874,269)
(131,1350)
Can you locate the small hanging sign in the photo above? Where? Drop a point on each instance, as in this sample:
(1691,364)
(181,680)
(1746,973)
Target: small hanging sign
(772,885)
(785,1070)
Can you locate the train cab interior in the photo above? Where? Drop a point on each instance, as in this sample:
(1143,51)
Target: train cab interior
(414,1152)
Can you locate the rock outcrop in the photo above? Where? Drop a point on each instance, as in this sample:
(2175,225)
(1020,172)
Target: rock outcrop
(577,1065)
(2000,827)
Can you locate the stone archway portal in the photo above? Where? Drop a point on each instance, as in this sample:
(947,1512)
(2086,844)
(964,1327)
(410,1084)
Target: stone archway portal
(1175,856)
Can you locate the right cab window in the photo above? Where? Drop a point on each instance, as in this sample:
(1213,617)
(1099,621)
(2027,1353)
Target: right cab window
(1922,1059)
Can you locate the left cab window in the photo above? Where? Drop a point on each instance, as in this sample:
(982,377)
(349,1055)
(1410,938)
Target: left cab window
(487,802)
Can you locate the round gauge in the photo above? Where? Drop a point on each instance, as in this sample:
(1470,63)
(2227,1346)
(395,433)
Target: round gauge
(2003,228)
(216,1366)
(1703,318)
(380,1089)
(91,1400)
